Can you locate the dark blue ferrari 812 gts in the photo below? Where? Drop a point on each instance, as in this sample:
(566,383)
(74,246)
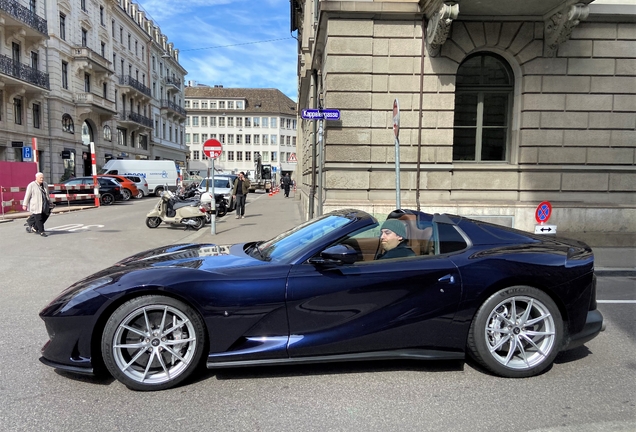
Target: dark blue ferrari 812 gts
(318,293)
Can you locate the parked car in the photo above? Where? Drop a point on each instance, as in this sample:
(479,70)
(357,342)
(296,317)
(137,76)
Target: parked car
(109,189)
(512,300)
(129,189)
(142,185)
(222,185)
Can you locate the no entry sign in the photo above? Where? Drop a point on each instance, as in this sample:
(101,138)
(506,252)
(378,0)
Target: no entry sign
(212,148)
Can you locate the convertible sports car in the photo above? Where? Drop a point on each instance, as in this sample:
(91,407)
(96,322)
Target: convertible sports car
(316,293)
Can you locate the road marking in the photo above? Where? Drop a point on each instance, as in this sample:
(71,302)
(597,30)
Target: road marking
(617,301)
(74,227)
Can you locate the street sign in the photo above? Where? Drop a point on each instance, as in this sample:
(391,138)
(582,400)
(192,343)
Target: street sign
(292,158)
(543,212)
(212,148)
(27,154)
(320,114)
(545,229)
(396,118)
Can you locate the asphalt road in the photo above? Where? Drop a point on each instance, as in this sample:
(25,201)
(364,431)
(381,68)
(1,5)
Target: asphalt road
(591,388)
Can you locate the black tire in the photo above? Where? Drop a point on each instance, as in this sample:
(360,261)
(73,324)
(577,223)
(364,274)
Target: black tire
(200,222)
(222,211)
(153,222)
(158,191)
(126,193)
(151,358)
(521,347)
(107,199)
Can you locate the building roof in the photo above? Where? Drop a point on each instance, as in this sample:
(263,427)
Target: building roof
(266,100)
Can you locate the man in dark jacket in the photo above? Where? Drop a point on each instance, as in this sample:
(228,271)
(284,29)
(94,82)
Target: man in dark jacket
(239,192)
(287,181)
(393,240)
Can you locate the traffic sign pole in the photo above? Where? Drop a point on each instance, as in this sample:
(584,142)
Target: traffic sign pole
(213,215)
(94,170)
(212,149)
(396,131)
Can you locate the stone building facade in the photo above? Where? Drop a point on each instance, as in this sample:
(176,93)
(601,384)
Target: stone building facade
(101,61)
(502,106)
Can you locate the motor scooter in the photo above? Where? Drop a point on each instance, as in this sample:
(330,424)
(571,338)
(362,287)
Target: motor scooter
(170,210)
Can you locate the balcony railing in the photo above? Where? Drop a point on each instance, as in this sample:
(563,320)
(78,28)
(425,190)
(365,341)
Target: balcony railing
(87,53)
(96,101)
(174,81)
(134,117)
(23,72)
(166,103)
(23,14)
(130,81)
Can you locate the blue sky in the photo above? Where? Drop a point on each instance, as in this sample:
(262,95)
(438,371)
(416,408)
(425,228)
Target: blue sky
(214,39)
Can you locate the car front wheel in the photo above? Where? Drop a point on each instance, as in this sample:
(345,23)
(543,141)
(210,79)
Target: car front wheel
(516,333)
(153,342)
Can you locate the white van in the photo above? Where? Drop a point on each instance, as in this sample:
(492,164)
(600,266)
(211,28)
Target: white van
(157,173)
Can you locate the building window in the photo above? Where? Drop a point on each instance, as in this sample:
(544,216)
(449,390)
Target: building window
(222,138)
(230,122)
(83,5)
(84,37)
(248,156)
(187,137)
(239,139)
(195,138)
(105,90)
(265,156)
(257,122)
(121,35)
(483,101)
(32,6)
(221,104)
(121,136)
(204,137)
(239,122)
(248,139)
(230,139)
(113,28)
(212,121)
(273,123)
(248,122)
(204,105)
(288,140)
(212,105)
(273,140)
(221,121)
(108,135)
(230,104)
(195,104)
(204,121)
(264,122)
(195,121)
(195,155)
(101,15)
(87,83)
(103,48)
(265,139)
(67,124)
(288,122)
(65,75)
(256,139)
(239,105)
(136,48)
(230,155)
(274,158)
(36,116)
(17,110)
(62,26)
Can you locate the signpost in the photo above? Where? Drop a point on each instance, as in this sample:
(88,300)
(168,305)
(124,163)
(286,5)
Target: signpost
(292,158)
(542,215)
(396,132)
(320,114)
(27,154)
(212,149)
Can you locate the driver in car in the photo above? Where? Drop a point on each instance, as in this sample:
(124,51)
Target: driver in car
(393,240)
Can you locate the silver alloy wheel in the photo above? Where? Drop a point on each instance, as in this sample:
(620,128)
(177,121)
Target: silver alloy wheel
(520,332)
(154,344)
(126,193)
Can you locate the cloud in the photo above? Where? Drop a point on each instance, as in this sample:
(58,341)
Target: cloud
(221,41)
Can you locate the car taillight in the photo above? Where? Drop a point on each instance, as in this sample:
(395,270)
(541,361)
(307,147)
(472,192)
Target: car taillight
(116,188)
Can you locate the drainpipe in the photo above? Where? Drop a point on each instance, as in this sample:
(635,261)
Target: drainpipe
(419,128)
(312,188)
(48,103)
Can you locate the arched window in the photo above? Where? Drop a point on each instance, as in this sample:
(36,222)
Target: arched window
(483,101)
(108,135)
(67,124)
(87,133)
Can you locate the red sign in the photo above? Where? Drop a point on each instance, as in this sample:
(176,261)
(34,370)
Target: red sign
(543,212)
(396,118)
(212,148)
(292,158)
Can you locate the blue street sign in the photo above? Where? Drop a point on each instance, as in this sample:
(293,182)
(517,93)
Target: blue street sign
(320,114)
(27,153)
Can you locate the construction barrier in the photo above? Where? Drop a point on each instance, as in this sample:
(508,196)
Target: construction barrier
(14,204)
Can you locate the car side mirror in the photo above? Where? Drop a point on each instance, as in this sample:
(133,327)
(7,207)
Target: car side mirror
(336,255)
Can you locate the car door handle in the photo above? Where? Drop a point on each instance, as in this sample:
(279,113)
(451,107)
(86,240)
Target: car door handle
(448,278)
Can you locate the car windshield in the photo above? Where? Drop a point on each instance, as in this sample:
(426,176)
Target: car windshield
(296,239)
(218,183)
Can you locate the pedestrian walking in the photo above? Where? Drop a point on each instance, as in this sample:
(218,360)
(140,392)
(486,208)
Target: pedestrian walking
(287,182)
(36,200)
(239,192)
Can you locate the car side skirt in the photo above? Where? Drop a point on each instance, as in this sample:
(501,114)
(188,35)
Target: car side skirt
(414,354)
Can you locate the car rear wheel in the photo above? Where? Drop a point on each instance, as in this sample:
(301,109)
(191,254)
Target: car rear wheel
(140,194)
(126,193)
(153,222)
(516,333)
(158,191)
(107,199)
(153,343)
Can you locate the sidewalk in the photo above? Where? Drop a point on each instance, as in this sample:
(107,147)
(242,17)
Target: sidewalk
(266,217)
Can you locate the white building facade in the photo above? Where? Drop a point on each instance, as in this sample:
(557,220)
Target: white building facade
(247,122)
(96,60)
